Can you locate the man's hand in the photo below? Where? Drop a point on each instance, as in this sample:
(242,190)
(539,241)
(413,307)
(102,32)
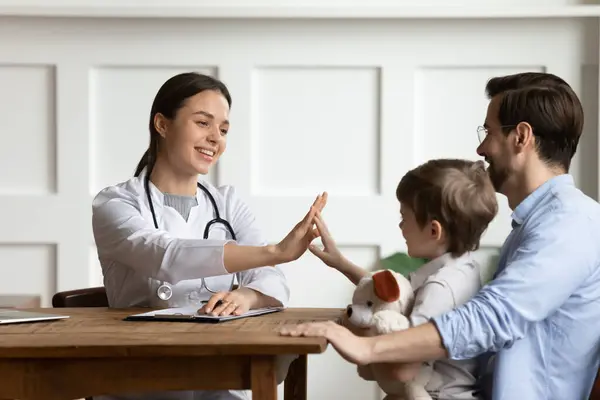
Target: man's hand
(355,349)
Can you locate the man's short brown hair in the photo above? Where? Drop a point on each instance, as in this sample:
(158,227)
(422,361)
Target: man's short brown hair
(456,193)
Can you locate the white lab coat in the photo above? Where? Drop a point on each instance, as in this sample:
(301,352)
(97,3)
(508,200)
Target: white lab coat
(135,257)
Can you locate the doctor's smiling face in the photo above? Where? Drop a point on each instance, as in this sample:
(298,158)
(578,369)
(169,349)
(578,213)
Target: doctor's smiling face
(195,139)
(188,124)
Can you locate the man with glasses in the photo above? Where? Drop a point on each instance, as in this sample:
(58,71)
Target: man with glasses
(540,314)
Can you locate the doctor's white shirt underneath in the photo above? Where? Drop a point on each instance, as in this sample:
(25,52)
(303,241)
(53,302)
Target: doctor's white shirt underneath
(136,257)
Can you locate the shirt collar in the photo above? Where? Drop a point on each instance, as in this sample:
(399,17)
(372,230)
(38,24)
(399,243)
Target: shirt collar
(158,197)
(526,207)
(418,277)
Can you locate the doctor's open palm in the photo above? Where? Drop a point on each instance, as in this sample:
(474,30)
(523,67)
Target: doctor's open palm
(297,241)
(240,258)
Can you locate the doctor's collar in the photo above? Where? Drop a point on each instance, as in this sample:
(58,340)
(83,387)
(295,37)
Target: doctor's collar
(158,197)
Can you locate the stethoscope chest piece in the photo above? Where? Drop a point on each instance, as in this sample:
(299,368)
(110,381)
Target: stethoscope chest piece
(164,292)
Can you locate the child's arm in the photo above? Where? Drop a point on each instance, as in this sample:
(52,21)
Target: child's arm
(332,256)
(350,270)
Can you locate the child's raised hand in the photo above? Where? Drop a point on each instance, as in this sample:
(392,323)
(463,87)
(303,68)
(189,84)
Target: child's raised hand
(330,254)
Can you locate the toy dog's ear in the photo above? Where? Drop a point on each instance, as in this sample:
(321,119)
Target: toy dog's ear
(386,286)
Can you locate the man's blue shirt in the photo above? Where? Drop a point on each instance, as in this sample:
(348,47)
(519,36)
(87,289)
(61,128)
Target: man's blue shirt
(541,313)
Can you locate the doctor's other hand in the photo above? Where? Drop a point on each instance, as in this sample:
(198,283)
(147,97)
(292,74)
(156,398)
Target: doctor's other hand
(297,241)
(235,302)
(355,349)
(330,254)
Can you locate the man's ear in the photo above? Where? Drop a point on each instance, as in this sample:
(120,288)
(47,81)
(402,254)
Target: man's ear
(386,286)
(524,136)
(436,230)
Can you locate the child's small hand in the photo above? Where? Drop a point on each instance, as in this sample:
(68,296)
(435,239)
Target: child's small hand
(330,254)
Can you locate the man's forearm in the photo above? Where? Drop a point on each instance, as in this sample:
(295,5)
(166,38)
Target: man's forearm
(422,343)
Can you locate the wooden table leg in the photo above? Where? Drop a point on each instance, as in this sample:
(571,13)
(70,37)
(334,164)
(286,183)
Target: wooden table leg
(263,379)
(295,383)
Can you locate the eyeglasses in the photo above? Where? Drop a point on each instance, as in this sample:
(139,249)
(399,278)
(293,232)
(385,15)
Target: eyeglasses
(482,131)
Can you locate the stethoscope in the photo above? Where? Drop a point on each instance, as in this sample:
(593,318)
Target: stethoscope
(164,291)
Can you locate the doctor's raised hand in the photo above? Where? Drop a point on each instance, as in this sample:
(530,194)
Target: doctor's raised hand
(290,248)
(168,238)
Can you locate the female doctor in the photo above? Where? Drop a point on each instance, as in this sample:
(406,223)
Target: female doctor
(167,239)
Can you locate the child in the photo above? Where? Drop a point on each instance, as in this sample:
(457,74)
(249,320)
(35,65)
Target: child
(445,206)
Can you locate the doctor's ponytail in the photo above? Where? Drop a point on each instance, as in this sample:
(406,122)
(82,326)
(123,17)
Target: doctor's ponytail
(144,162)
(148,159)
(169,99)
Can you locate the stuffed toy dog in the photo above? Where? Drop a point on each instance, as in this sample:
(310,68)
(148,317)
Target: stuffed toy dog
(380,305)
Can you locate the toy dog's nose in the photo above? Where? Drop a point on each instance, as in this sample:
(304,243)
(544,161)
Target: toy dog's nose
(349,311)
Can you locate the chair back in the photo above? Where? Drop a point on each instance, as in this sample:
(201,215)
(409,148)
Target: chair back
(89,297)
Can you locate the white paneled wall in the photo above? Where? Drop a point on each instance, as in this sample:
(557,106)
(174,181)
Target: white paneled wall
(322,100)
(37,154)
(292,128)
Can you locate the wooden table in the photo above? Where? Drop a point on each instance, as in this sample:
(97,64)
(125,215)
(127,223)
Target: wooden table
(95,352)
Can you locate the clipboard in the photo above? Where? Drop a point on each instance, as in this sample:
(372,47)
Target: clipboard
(190,314)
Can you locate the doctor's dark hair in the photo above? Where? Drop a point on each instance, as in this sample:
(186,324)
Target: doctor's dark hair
(456,193)
(170,98)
